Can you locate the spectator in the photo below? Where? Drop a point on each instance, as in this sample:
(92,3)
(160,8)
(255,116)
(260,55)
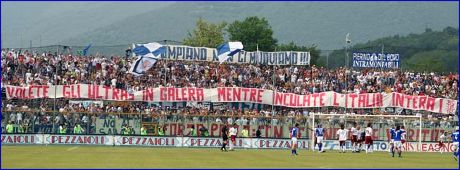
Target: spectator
(245,132)
(78,129)
(258,133)
(161,130)
(131,130)
(62,129)
(193,131)
(204,131)
(125,129)
(143,131)
(9,127)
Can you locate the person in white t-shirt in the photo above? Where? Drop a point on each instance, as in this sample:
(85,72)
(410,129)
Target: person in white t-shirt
(343,135)
(368,138)
(233,131)
(442,141)
(354,137)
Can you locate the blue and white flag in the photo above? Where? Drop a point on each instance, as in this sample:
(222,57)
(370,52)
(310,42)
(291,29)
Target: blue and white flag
(227,50)
(141,65)
(152,50)
(147,54)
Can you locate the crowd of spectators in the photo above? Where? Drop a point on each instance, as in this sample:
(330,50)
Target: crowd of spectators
(32,68)
(27,68)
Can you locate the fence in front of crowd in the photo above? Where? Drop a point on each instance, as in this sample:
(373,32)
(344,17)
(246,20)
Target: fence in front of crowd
(180,123)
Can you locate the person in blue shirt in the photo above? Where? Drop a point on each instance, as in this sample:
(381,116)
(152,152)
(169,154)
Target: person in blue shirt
(392,140)
(398,135)
(319,134)
(294,134)
(455,136)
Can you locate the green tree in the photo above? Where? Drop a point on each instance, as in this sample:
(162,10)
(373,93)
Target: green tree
(206,34)
(314,52)
(251,32)
(427,51)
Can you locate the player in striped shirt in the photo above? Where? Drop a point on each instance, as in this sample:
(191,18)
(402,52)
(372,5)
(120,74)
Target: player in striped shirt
(294,134)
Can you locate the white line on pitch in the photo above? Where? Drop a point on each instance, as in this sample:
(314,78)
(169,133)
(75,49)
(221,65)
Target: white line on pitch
(72,148)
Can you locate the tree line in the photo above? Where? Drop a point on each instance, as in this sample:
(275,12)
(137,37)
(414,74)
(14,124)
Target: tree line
(428,51)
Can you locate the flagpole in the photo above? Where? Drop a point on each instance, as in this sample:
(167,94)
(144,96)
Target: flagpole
(55,86)
(164,65)
(274,88)
(346,67)
(383,55)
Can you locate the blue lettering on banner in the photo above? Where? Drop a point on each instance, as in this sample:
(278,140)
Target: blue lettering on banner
(252,58)
(214,56)
(178,52)
(240,58)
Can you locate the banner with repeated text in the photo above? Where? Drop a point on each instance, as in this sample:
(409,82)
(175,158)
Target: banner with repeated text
(198,142)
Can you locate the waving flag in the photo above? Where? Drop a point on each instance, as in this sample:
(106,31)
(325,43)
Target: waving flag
(147,54)
(348,38)
(152,50)
(141,65)
(227,50)
(85,51)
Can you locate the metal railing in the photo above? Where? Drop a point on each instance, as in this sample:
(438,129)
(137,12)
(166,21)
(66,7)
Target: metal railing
(165,123)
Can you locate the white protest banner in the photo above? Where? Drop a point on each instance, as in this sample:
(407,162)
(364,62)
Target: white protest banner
(237,94)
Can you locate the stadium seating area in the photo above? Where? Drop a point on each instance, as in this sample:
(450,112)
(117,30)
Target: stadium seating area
(27,69)
(22,69)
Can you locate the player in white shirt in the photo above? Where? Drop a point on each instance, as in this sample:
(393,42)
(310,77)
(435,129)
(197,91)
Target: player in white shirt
(442,141)
(368,138)
(343,135)
(354,137)
(233,131)
(403,137)
(361,136)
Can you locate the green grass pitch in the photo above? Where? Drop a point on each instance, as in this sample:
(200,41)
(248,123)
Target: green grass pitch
(34,156)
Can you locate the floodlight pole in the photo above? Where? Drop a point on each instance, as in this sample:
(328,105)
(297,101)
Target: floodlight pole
(55,90)
(274,88)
